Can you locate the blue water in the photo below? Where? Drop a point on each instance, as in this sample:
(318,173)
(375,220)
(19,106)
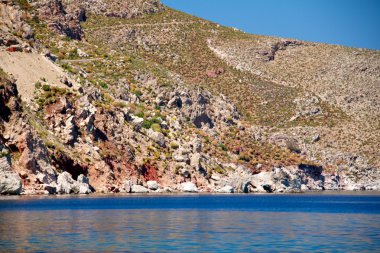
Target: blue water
(191,223)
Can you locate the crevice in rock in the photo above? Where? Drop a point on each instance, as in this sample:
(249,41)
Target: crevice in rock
(65,163)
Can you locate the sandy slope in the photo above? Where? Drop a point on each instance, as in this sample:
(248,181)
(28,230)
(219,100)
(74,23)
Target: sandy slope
(30,68)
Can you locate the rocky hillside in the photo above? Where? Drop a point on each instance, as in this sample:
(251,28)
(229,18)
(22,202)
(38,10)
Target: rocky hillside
(108,96)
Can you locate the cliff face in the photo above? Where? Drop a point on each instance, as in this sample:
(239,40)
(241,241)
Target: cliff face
(135,97)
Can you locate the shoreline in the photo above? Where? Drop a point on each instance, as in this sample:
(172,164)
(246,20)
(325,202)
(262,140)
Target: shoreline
(178,194)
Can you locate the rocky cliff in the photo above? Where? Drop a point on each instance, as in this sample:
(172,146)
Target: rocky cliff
(135,97)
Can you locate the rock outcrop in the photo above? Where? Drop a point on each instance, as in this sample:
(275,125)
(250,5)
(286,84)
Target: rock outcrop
(13,24)
(189,187)
(58,19)
(66,184)
(10,181)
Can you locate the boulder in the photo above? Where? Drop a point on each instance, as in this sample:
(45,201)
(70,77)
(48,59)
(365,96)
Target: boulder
(157,137)
(137,122)
(128,186)
(83,188)
(188,187)
(226,189)
(139,189)
(51,189)
(195,161)
(83,179)
(65,183)
(152,185)
(10,181)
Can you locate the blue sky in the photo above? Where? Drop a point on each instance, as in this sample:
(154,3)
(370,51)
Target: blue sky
(354,23)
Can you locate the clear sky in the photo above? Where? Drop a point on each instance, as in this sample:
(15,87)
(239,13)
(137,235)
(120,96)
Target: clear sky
(354,23)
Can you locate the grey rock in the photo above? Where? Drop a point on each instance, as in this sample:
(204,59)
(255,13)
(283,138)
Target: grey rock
(83,188)
(188,187)
(10,181)
(139,189)
(83,179)
(195,160)
(65,183)
(157,137)
(51,189)
(128,186)
(226,189)
(152,185)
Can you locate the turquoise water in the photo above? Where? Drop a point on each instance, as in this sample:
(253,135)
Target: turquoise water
(191,223)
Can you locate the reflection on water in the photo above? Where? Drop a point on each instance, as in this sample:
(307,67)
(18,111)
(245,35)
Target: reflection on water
(187,230)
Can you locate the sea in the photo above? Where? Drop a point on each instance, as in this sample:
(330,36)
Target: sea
(316,222)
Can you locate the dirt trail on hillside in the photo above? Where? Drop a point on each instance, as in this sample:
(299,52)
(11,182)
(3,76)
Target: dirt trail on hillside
(28,69)
(141,25)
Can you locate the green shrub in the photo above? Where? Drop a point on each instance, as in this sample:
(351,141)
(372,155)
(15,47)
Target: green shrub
(73,54)
(46,87)
(156,127)
(140,114)
(138,93)
(38,85)
(223,147)
(174,145)
(103,85)
(147,124)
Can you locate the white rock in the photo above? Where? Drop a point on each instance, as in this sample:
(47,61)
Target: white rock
(152,185)
(157,137)
(139,189)
(137,122)
(128,186)
(215,177)
(226,189)
(188,187)
(65,183)
(82,179)
(84,188)
(10,181)
(195,161)
(81,53)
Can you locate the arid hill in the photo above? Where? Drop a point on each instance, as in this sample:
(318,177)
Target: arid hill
(109,96)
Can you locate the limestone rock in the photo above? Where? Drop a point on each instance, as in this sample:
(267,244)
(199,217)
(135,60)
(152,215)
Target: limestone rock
(152,185)
(188,187)
(139,189)
(226,189)
(10,181)
(53,12)
(128,186)
(157,137)
(66,184)
(83,179)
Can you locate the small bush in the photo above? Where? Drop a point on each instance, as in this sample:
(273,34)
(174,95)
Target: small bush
(223,147)
(140,114)
(156,127)
(138,93)
(103,85)
(38,85)
(174,145)
(244,157)
(147,124)
(46,87)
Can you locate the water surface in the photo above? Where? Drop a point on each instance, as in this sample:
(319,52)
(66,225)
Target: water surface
(191,223)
